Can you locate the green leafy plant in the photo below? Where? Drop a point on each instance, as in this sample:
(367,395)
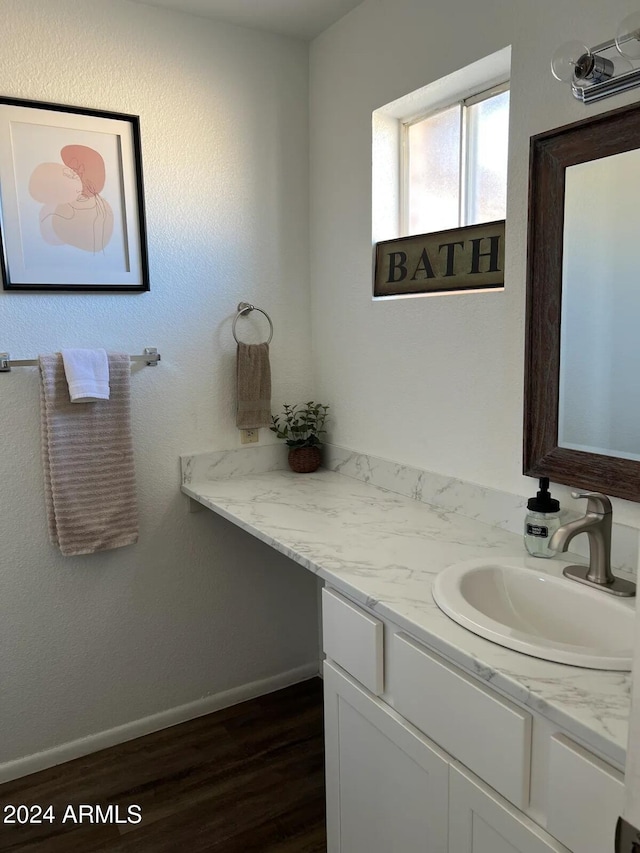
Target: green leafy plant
(301,425)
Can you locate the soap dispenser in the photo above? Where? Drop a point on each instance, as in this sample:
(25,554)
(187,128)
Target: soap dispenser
(543,519)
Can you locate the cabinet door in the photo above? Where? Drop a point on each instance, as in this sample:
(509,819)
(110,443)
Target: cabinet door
(481,821)
(387,785)
(585,795)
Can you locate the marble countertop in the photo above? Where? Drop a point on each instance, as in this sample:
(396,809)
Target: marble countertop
(383,550)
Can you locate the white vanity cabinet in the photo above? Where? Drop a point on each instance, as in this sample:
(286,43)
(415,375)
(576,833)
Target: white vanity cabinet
(423,758)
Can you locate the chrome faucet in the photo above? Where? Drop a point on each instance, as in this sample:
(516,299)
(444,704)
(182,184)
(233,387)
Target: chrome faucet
(596,523)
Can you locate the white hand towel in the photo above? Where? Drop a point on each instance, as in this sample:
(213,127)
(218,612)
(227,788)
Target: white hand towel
(87,372)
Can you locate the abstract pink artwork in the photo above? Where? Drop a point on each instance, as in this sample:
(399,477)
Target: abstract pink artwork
(73,211)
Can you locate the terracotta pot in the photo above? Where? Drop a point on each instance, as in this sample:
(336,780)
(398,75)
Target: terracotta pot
(304,460)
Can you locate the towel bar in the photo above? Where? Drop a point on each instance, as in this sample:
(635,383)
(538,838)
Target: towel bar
(150,356)
(246,308)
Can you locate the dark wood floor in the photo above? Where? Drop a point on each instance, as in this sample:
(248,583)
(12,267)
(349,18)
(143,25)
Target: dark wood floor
(248,778)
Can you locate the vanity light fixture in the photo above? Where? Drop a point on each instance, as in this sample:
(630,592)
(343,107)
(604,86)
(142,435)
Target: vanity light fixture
(598,72)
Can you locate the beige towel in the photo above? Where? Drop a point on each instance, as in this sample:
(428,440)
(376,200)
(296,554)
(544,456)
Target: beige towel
(87,455)
(254,386)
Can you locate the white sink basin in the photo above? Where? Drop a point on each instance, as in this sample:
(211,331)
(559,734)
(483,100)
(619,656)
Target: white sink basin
(538,612)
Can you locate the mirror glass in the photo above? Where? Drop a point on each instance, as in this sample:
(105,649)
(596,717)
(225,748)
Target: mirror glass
(599,392)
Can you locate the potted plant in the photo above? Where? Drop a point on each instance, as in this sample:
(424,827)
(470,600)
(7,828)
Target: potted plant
(302,427)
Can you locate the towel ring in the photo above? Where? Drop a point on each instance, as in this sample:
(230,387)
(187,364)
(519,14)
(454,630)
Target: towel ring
(245,308)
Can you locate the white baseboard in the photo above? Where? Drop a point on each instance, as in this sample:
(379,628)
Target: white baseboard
(129,731)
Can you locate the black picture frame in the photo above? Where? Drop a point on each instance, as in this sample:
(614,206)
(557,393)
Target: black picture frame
(72,214)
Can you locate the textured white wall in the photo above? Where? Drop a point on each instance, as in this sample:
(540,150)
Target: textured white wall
(432,382)
(196,607)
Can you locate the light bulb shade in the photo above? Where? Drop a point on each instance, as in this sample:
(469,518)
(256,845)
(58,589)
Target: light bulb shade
(628,36)
(569,58)
(573,62)
(621,65)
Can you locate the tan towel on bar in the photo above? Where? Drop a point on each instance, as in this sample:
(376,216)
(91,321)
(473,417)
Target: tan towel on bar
(254,386)
(87,455)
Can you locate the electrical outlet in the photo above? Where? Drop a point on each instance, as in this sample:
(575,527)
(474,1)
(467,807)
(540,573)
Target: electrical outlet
(248,436)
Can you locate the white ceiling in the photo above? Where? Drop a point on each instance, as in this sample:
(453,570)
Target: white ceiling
(300,18)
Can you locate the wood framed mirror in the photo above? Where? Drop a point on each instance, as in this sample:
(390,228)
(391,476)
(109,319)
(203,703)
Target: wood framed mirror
(582,338)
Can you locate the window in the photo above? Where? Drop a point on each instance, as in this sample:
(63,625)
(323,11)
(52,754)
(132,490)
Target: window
(439,164)
(455,164)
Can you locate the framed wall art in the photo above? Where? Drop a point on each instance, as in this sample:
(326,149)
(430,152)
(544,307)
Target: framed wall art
(71,199)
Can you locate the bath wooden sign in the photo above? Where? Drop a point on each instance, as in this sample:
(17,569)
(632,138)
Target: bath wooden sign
(469,258)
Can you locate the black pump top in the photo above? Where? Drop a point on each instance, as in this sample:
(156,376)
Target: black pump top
(543,502)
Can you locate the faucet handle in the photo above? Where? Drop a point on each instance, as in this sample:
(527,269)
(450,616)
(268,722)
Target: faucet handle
(596,502)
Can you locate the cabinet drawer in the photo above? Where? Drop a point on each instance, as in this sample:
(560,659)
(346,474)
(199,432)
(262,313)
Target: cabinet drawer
(483,731)
(586,797)
(353,639)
